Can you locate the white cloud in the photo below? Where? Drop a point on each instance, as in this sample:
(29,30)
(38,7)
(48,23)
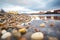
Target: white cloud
(32,4)
(19,9)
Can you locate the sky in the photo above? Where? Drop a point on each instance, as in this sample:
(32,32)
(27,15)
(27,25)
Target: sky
(29,5)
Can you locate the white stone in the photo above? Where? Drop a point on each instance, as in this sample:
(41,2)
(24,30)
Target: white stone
(42,25)
(37,36)
(3,31)
(7,34)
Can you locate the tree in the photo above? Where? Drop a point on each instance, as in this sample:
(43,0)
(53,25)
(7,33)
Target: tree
(2,11)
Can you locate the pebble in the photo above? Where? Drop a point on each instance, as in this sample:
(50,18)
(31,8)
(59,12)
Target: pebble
(22,38)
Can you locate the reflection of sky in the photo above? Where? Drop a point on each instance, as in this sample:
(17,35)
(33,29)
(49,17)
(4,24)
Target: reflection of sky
(32,4)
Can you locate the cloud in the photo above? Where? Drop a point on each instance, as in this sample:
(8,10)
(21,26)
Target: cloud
(33,4)
(20,9)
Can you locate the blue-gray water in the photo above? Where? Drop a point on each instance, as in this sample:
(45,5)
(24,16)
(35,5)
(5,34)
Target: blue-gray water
(47,15)
(47,30)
